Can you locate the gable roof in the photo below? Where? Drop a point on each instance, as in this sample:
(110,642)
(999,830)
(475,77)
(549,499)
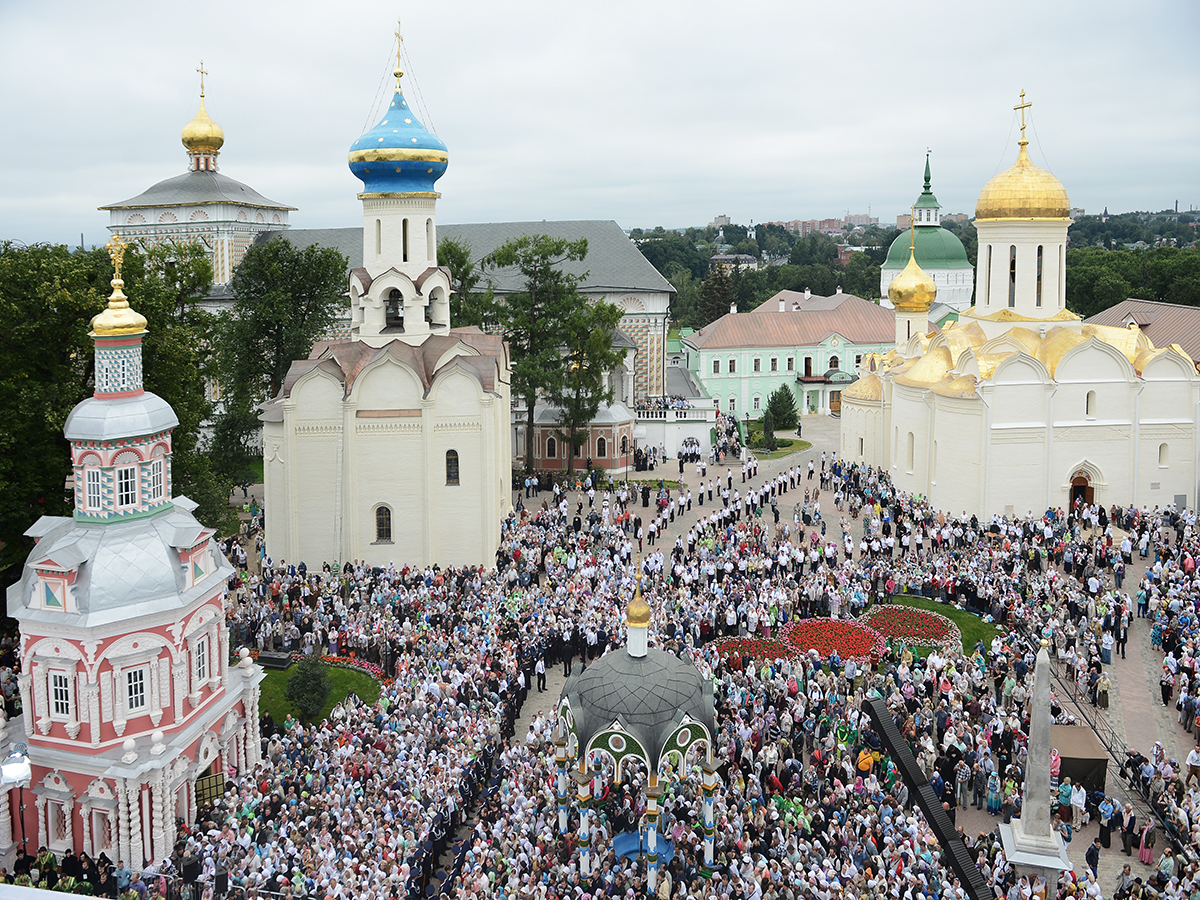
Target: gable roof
(1163,323)
(614,263)
(859,321)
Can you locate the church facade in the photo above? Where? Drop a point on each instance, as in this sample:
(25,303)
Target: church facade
(132,713)
(1020,406)
(393,444)
(202,206)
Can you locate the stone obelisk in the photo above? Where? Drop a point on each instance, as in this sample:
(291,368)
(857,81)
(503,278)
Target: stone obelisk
(1030,844)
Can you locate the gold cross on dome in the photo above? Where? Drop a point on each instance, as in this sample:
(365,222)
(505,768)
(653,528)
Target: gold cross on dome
(399,73)
(116,252)
(1022,106)
(202,72)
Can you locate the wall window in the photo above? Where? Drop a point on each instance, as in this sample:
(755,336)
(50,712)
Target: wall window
(834,362)
(807,366)
(1012,275)
(551,448)
(156,479)
(378,237)
(987,280)
(127,486)
(733,404)
(60,695)
(716,367)
(858,360)
(791,364)
(912,446)
(135,689)
(383,525)
(451,467)
(757,402)
(91,479)
(1039,276)
(757,364)
(624,444)
(1089,404)
(601,448)
(732,367)
(430,246)
(1164,456)
(404,241)
(201,660)
(774,364)
(861,446)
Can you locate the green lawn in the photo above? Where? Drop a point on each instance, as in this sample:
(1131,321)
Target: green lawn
(972,627)
(257,466)
(343,682)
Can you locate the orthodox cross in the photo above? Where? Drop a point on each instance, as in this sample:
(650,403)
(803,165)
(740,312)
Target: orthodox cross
(1022,106)
(399,73)
(202,72)
(116,252)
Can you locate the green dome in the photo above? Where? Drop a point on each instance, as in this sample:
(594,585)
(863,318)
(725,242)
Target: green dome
(937,248)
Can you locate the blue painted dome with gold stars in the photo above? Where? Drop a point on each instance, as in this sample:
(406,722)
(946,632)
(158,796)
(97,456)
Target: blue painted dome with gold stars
(399,155)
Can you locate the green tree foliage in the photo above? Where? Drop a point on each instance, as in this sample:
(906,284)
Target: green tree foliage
(716,295)
(782,407)
(814,249)
(768,436)
(664,248)
(1098,279)
(534,321)
(860,275)
(284,298)
(466,304)
(589,354)
(308,687)
(685,308)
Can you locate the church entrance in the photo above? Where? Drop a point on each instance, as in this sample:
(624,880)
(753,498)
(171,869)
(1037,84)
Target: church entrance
(210,785)
(1081,489)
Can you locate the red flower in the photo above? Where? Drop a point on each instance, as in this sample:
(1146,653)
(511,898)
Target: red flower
(917,627)
(851,639)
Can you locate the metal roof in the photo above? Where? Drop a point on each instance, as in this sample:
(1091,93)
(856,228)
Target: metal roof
(614,263)
(1163,323)
(200,188)
(859,321)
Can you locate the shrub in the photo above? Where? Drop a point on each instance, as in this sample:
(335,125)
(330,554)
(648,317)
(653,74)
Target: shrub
(782,406)
(308,688)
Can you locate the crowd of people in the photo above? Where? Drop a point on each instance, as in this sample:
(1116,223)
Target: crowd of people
(369,801)
(669,401)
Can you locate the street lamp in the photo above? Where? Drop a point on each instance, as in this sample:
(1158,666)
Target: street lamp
(16,772)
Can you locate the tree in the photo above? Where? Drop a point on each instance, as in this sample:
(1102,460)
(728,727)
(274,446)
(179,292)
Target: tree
(284,298)
(533,320)
(686,305)
(782,407)
(716,295)
(589,354)
(308,687)
(466,306)
(768,437)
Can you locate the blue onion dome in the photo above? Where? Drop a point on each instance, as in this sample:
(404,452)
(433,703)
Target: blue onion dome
(399,155)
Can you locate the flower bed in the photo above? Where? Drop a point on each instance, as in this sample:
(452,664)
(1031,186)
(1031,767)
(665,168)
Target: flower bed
(344,662)
(914,627)
(755,648)
(850,638)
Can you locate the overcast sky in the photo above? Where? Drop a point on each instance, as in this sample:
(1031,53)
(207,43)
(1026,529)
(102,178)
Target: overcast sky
(644,112)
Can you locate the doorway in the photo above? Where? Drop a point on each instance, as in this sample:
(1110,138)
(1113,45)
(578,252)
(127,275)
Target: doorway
(1082,490)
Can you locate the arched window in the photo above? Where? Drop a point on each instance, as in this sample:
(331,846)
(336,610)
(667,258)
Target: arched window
(404,241)
(430,247)
(451,467)
(551,448)
(383,525)
(394,311)
(861,446)
(1039,275)
(1164,455)
(1089,404)
(834,362)
(378,237)
(624,444)
(1012,275)
(601,448)
(987,279)
(912,445)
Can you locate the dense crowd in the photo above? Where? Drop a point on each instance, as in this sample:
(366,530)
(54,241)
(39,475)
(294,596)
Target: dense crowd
(367,802)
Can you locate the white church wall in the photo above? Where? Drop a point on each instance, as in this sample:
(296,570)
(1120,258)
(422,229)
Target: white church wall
(956,464)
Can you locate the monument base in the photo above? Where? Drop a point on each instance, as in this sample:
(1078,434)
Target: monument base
(1035,854)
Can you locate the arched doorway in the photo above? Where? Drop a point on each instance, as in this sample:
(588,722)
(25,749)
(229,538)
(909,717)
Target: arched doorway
(1082,489)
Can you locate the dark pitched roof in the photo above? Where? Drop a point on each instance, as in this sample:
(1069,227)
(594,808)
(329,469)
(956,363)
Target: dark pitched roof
(199,189)
(613,264)
(1163,323)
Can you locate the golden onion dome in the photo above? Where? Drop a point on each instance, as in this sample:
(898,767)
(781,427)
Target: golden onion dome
(202,134)
(1023,191)
(637,614)
(119,318)
(913,290)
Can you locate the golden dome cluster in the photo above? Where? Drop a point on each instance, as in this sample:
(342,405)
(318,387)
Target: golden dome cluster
(202,134)
(913,290)
(1023,191)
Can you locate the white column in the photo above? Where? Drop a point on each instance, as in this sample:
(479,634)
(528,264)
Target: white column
(26,685)
(85,822)
(121,830)
(91,693)
(43,839)
(137,851)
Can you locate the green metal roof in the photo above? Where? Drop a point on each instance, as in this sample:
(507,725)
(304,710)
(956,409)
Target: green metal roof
(937,248)
(927,200)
